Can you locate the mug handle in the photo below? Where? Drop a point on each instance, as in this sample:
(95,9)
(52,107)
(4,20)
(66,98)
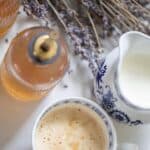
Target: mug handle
(128,146)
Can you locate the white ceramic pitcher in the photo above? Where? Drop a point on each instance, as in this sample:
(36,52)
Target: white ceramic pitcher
(126,97)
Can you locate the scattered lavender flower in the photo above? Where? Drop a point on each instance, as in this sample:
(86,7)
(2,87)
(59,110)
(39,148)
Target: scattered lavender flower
(70,71)
(65,86)
(6,40)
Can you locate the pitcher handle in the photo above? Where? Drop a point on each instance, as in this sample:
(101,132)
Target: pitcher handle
(128,146)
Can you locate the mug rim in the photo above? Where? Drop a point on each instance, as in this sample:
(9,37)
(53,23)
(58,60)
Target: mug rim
(111,131)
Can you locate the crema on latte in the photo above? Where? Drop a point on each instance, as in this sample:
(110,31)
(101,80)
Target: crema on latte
(71,127)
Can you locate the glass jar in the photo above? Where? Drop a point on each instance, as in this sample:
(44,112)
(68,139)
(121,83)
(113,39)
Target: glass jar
(36,61)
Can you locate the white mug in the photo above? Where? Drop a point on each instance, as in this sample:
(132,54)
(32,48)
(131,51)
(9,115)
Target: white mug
(111,132)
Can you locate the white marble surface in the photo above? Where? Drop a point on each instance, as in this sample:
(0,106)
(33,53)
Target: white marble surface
(17,118)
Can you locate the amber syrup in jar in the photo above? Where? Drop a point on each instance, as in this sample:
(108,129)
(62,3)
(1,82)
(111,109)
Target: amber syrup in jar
(36,61)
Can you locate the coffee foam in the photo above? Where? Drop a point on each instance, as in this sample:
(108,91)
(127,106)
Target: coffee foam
(71,127)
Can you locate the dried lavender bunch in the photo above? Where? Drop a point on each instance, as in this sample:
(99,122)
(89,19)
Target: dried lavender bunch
(128,15)
(124,15)
(118,15)
(82,39)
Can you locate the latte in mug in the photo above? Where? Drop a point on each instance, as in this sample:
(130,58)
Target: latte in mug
(71,127)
